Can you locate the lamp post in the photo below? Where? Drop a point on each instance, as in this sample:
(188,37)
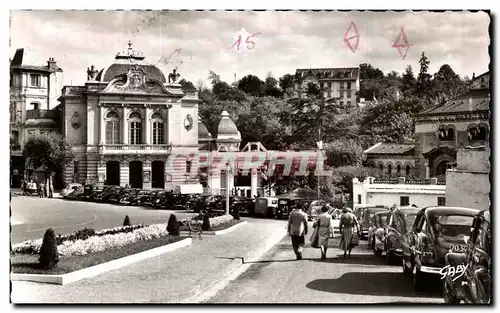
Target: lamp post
(320,147)
(227,187)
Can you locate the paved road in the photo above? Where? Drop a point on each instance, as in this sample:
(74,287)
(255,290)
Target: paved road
(32,216)
(279,278)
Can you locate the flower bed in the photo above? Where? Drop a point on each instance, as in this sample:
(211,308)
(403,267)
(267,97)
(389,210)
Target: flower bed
(33,246)
(216,223)
(87,247)
(28,263)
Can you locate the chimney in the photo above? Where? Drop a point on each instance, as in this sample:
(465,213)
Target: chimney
(473,76)
(51,63)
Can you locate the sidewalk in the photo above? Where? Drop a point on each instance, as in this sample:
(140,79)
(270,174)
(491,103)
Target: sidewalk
(170,278)
(19,192)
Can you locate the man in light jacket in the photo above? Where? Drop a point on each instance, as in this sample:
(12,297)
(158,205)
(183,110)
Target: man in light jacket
(297,228)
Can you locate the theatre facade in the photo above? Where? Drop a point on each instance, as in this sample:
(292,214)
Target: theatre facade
(126,121)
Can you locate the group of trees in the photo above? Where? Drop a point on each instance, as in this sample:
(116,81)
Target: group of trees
(266,111)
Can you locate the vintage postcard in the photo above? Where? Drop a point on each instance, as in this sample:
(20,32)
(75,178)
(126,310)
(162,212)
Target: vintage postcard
(250,157)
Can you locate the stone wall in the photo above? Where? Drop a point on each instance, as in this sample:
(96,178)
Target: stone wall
(468,189)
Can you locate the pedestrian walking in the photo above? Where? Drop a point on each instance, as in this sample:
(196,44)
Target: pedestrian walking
(51,190)
(323,229)
(348,223)
(41,191)
(297,228)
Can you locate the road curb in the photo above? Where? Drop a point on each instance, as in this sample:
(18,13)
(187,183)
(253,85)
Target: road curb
(209,289)
(101,268)
(216,232)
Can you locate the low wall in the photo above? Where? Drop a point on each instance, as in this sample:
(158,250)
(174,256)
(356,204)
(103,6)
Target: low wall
(468,189)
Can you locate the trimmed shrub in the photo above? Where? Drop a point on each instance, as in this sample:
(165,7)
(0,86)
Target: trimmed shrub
(173,226)
(206,223)
(126,221)
(49,256)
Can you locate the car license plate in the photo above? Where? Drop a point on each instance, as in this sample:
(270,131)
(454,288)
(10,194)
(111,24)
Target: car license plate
(458,248)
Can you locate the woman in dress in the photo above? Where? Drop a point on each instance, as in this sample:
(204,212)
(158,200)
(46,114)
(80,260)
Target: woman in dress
(347,224)
(324,227)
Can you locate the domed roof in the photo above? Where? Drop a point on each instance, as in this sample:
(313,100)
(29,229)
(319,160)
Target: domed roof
(125,60)
(227,127)
(203,132)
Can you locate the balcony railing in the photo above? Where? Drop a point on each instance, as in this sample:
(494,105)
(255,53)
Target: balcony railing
(40,114)
(142,148)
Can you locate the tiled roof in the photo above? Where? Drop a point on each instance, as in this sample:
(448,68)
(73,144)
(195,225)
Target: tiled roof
(472,101)
(329,73)
(390,148)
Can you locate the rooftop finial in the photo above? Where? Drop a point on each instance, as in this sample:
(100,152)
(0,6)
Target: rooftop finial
(130,45)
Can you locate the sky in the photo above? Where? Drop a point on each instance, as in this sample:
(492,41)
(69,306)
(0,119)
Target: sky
(284,41)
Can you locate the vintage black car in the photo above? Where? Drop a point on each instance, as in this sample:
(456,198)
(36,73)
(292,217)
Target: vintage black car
(76,193)
(114,195)
(127,195)
(366,217)
(159,198)
(400,222)
(141,197)
(150,197)
(97,195)
(196,203)
(242,204)
(435,232)
(377,231)
(467,276)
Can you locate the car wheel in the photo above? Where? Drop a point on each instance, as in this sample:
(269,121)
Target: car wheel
(139,202)
(406,270)
(448,295)
(418,278)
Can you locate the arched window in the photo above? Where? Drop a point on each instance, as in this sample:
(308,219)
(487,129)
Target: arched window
(157,126)
(389,169)
(112,128)
(477,133)
(381,166)
(398,169)
(446,133)
(408,170)
(135,127)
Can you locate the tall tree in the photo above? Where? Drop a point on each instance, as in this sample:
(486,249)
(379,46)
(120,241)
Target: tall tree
(367,71)
(187,85)
(270,80)
(251,85)
(286,82)
(447,82)
(424,83)
(51,152)
(213,77)
(409,82)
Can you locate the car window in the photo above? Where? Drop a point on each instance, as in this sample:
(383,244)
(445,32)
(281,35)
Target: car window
(452,226)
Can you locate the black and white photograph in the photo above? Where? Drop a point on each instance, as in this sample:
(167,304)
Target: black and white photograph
(250,157)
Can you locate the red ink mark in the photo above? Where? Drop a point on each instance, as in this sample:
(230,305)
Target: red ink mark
(248,42)
(352,34)
(402,43)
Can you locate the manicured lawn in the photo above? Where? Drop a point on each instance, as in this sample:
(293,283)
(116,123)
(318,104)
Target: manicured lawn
(28,264)
(219,227)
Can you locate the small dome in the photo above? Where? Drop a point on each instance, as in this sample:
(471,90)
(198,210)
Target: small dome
(127,59)
(227,128)
(203,132)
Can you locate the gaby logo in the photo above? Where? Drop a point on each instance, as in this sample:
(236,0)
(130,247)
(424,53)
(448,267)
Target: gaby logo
(449,270)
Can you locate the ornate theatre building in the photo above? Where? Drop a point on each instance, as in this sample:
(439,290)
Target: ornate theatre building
(126,121)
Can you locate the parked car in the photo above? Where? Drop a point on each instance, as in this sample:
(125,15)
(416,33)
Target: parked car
(75,194)
(265,206)
(159,198)
(435,232)
(127,195)
(366,217)
(474,286)
(314,209)
(359,209)
(112,194)
(242,204)
(149,199)
(69,189)
(97,195)
(196,203)
(140,198)
(400,222)
(285,206)
(377,231)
